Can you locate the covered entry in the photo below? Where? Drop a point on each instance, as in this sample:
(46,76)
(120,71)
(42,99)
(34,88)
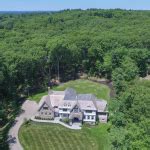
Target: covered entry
(76,117)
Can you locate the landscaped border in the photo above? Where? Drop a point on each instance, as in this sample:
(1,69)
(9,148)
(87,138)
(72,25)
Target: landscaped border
(56,121)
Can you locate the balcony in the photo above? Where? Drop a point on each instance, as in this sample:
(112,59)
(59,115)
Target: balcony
(64,112)
(90,114)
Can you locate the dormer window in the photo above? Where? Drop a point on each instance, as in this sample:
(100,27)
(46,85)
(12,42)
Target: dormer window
(65,104)
(45,108)
(69,104)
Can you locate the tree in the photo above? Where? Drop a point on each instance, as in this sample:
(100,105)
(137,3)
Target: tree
(132,116)
(127,72)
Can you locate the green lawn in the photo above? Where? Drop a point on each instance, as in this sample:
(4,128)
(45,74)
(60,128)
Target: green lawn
(81,86)
(56,137)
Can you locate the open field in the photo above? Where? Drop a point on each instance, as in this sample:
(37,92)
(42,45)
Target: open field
(81,86)
(56,137)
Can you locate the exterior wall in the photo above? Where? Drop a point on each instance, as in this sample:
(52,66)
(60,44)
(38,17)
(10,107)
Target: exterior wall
(57,110)
(46,113)
(102,117)
(76,114)
(64,113)
(89,116)
(62,116)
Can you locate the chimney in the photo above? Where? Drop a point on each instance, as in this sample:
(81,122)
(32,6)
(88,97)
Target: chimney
(49,91)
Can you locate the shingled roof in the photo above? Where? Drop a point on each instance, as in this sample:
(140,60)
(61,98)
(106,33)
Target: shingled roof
(69,98)
(101,105)
(85,97)
(45,100)
(70,94)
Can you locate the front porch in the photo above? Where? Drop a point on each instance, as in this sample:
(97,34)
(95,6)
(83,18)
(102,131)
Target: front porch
(76,118)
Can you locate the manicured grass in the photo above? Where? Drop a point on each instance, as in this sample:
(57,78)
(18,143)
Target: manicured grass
(56,137)
(81,86)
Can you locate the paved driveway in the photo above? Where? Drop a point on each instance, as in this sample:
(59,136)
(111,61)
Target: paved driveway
(29,108)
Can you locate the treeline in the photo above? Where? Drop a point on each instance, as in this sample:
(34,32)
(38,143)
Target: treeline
(130,118)
(36,47)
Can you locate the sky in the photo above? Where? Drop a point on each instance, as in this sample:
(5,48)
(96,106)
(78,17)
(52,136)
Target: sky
(53,5)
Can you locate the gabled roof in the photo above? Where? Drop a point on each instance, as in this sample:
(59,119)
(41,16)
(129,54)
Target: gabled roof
(87,105)
(67,104)
(70,94)
(42,101)
(56,99)
(101,105)
(58,92)
(69,98)
(85,97)
(48,101)
(76,104)
(45,100)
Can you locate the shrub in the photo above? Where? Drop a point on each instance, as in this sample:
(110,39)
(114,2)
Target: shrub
(66,120)
(26,122)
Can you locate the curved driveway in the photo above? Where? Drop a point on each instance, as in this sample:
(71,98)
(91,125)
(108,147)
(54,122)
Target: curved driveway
(29,108)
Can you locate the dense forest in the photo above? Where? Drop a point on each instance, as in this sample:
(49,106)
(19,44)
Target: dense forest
(113,44)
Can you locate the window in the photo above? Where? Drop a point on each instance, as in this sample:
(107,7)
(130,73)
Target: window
(49,113)
(88,117)
(45,108)
(69,104)
(55,106)
(102,113)
(92,117)
(64,109)
(65,104)
(46,113)
(88,111)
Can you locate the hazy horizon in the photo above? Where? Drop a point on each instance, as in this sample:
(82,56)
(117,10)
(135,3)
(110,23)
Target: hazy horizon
(48,5)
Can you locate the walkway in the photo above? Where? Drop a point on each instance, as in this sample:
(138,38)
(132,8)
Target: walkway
(57,121)
(29,108)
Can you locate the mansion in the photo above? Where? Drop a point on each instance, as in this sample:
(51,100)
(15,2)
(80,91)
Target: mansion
(84,108)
